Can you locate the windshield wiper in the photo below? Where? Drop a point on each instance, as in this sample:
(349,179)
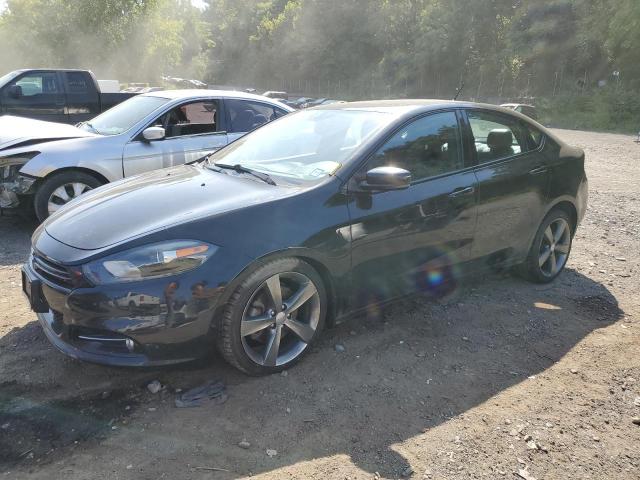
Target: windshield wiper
(92,127)
(240,169)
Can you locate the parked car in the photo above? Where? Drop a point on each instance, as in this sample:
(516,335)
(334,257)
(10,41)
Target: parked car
(64,96)
(528,110)
(49,164)
(276,95)
(320,214)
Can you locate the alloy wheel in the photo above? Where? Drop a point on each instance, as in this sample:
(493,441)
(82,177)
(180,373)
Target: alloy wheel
(280,319)
(64,194)
(554,248)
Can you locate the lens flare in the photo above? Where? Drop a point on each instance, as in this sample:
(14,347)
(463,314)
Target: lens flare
(437,277)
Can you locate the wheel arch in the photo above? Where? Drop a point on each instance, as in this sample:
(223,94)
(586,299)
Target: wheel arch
(569,206)
(306,255)
(95,174)
(565,203)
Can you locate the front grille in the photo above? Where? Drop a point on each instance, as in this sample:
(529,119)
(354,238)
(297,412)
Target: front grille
(55,273)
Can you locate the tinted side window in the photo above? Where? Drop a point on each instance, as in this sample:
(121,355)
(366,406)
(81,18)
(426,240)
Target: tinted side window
(427,147)
(535,137)
(76,83)
(194,118)
(247,115)
(530,112)
(279,113)
(496,136)
(38,84)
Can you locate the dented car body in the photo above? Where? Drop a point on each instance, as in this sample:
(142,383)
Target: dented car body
(46,165)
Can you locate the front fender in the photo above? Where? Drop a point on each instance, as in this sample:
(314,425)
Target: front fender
(91,154)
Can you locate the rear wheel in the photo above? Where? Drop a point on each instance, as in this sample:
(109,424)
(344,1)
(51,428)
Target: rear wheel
(59,189)
(273,317)
(550,250)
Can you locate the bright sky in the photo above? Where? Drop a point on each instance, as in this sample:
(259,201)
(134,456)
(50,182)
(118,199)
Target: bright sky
(196,3)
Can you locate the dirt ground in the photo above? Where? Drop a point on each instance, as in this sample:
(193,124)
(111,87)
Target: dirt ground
(501,377)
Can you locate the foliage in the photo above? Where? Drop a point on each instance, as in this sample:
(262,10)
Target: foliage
(501,49)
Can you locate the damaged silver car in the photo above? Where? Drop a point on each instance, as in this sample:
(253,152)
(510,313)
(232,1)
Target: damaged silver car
(45,165)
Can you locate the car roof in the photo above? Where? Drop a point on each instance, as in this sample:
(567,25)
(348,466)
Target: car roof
(407,106)
(199,93)
(517,105)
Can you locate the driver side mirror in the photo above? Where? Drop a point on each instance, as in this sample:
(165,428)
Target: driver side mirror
(386,178)
(15,91)
(154,133)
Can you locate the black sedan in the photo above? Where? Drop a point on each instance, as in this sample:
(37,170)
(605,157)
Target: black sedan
(321,214)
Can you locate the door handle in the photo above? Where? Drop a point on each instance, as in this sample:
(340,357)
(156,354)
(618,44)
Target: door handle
(461,192)
(538,170)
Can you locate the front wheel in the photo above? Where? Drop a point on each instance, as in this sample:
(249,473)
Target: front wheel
(550,250)
(273,317)
(59,189)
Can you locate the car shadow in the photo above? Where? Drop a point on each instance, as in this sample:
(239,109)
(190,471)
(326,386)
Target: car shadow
(399,372)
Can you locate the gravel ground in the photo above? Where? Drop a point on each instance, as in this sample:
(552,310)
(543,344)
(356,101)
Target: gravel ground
(502,379)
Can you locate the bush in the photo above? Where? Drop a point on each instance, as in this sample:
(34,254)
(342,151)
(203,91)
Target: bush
(610,110)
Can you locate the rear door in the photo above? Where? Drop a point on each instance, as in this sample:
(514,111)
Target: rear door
(246,115)
(409,240)
(513,182)
(40,96)
(82,97)
(193,129)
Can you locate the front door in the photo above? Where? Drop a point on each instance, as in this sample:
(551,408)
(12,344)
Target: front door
(513,183)
(410,240)
(37,95)
(192,131)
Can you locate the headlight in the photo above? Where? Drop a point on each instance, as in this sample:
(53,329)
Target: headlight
(150,261)
(10,166)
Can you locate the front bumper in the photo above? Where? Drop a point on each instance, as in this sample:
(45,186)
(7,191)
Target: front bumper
(12,188)
(162,322)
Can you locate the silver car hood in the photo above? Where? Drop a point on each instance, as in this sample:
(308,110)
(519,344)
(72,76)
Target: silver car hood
(18,132)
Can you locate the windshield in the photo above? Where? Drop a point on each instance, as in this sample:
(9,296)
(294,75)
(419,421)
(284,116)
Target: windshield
(123,116)
(8,77)
(308,145)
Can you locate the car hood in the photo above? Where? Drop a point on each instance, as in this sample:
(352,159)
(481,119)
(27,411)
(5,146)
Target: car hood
(17,132)
(153,201)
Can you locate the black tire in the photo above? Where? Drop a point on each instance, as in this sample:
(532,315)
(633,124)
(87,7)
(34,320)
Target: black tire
(531,268)
(229,339)
(55,181)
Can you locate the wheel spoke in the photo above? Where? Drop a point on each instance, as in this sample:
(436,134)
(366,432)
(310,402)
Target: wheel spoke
(300,297)
(559,232)
(564,249)
(53,207)
(548,234)
(79,189)
(253,325)
(275,291)
(61,193)
(554,263)
(544,257)
(271,352)
(303,331)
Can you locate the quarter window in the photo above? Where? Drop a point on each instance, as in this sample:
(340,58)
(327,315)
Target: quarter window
(247,115)
(77,83)
(496,136)
(427,147)
(535,137)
